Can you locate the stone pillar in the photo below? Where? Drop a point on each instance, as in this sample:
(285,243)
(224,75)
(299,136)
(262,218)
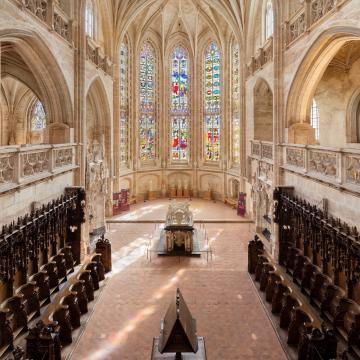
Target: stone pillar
(278,111)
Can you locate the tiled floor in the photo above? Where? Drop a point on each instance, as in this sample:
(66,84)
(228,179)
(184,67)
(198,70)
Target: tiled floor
(219,294)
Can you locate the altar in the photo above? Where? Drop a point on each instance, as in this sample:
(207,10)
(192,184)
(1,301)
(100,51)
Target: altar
(179,237)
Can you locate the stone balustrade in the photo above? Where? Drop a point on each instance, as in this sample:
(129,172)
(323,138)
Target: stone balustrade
(95,54)
(51,15)
(262,150)
(20,165)
(262,57)
(307,17)
(340,167)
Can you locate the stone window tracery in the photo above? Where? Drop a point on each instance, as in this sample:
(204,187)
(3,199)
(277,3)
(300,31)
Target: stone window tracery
(124,110)
(147,121)
(212,102)
(89,18)
(269,19)
(236,105)
(179,107)
(315,118)
(38,116)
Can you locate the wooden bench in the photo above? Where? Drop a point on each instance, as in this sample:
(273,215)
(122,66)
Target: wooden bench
(289,303)
(61,270)
(318,289)
(17,315)
(308,278)
(80,290)
(51,271)
(70,299)
(61,315)
(41,280)
(69,260)
(85,275)
(329,306)
(97,258)
(290,262)
(265,273)
(262,259)
(6,332)
(29,291)
(92,267)
(273,279)
(299,319)
(279,292)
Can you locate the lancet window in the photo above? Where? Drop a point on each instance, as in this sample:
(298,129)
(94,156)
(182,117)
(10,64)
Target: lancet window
(235,105)
(38,116)
(124,108)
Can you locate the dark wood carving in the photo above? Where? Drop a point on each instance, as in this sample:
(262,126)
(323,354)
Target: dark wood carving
(299,319)
(289,303)
(333,296)
(6,333)
(29,291)
(280,291)
(80,290)
(89,286)
(40,232)
(51,271)
(262,259)
(97,258)
(318,289)
(61,270)
(92,267)
(69,259)
(72,302)
(270,287)
(321,235)
(265,273)
(255,248)
(103,247)
(42,282)
(62,316)
(17,314)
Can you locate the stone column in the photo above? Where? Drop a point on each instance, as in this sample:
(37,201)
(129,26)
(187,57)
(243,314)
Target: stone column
(278,111)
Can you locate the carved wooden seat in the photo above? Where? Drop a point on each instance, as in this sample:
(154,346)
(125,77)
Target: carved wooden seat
(308,278)
(6,332)
(99,266)
(61,315)
(17,314)
(85,275)
(92,266)
(255,248)
(72,302)
(262,259)
(289,303)
(29,290)
(291,258)
(51,272)
(279,292)
(42,282)
(80,290)
(265,273)
(332,299)
(270,287)
(347,323)
(299,319)
(300,264)
(318,288)
(69,260)
(59,259)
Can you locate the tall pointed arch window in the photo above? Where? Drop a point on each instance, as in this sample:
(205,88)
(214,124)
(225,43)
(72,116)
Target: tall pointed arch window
(212,102)
(38,116)
(124,109)
(89,18)
(235,105)
(147,121)
(269,19)
(315,118)
(179,104)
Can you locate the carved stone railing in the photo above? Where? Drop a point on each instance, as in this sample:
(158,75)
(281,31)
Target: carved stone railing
(307,16)
(340,167)
(96,55)
(262,57)
(50,14)
(262,150)
(20,165)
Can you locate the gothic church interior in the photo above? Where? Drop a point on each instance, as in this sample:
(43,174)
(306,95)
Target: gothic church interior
(211,146)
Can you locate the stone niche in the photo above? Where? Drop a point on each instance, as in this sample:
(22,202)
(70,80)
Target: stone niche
(302,133)
(58,133)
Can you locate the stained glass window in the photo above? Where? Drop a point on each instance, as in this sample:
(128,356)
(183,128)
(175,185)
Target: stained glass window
(269,19)
(38,117)
(179,104)
(147,137)
(212,105)
(147,123)
(180,136)
(124,114)
(180,81)
(89,18)
(212,141)
(236,105)
(315,118)
(147,78)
